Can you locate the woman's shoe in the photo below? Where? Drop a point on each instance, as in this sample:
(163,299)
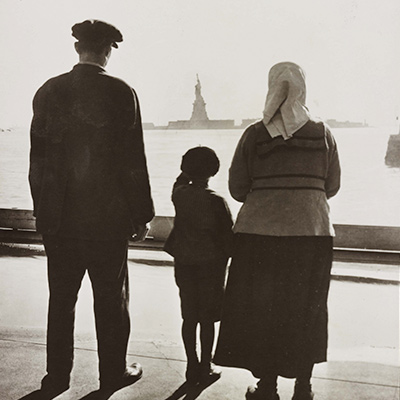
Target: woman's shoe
(303,392)
(254,393)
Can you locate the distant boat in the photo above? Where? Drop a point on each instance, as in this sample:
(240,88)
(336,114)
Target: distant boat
(392,158)
(333,123)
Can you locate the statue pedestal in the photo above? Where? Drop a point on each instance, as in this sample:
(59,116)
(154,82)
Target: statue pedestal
(392,158)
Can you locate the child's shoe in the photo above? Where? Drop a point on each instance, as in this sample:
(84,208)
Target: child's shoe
(193,373)
(209,373)
(254,393)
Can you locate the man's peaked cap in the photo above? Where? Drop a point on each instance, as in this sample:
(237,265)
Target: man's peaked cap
(95,31)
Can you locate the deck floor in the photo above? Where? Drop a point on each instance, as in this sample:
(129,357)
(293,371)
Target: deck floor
(363,335)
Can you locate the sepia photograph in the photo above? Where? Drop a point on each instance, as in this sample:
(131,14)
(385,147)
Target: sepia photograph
(242,160)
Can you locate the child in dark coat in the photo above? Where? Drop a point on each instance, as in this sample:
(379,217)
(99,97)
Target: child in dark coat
(200,243)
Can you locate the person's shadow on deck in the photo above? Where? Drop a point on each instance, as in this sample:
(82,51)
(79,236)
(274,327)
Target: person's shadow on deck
(95,395)
(99,395)
(191,392)
(35,395)
(188,392)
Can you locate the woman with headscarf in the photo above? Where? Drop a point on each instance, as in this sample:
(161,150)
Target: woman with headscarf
(284,169)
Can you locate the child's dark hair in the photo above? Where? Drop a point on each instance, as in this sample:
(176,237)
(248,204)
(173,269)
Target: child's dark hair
(200,162)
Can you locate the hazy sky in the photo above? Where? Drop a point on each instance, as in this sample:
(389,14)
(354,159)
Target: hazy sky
(349,49)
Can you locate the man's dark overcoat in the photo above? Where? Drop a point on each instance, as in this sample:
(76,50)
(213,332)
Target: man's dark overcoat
(88,172)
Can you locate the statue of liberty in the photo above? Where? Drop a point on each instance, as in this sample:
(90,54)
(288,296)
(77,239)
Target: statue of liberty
(199,112)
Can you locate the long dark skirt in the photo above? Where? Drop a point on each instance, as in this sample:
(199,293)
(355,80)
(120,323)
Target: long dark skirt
(275,317)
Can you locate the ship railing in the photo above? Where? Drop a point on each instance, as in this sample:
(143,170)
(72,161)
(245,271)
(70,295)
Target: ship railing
(352,243)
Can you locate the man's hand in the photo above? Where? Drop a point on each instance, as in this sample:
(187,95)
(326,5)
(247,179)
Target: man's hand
(141,232)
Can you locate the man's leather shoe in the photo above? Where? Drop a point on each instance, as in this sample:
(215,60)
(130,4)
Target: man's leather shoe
(303,392)
(131,375)
(52,387)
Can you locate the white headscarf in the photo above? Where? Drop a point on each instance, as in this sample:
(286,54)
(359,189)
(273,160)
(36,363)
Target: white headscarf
(285,111)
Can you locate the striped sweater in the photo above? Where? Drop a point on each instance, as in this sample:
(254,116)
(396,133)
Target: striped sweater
(285,184)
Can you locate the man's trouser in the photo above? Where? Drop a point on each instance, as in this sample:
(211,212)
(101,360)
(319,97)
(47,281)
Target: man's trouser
(106,263)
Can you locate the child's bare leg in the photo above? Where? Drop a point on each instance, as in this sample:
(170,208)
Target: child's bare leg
(189,341)
(207,332)
(208,370)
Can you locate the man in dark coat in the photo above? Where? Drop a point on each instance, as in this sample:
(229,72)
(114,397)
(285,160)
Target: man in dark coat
(91,193)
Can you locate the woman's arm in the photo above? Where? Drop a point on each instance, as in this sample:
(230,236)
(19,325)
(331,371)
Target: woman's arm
(332,182)
(239,174)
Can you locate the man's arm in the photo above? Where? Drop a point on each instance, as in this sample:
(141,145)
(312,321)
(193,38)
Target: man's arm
(38,147)
(131,162)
